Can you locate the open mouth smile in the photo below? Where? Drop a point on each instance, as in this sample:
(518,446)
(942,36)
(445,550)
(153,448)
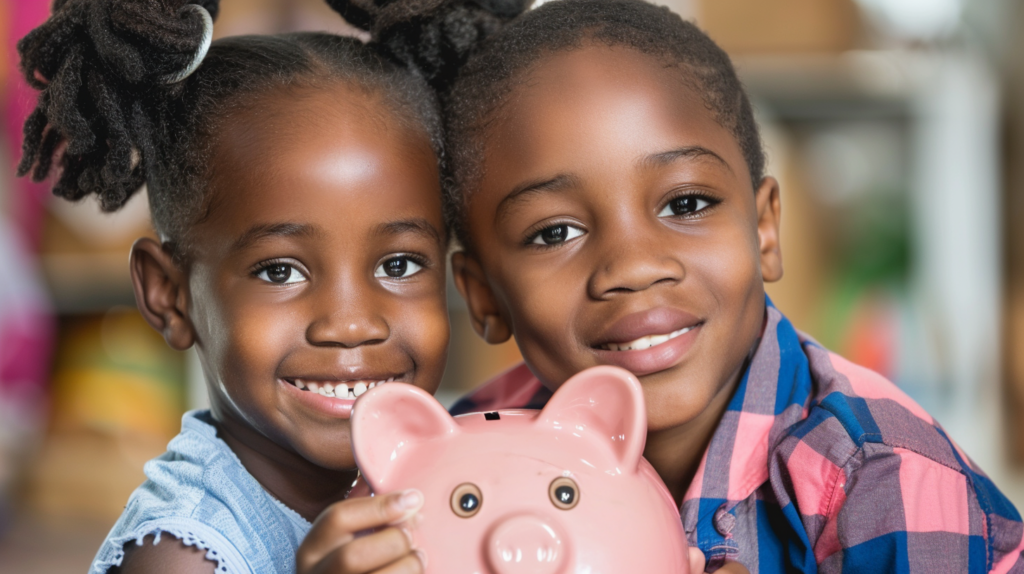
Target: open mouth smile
(337,389)
(648,341)
(333,396)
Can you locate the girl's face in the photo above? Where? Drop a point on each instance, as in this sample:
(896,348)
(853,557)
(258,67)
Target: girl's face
(615,224)
(321,262)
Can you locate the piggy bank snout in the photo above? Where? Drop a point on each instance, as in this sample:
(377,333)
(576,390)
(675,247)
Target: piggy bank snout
(526,544)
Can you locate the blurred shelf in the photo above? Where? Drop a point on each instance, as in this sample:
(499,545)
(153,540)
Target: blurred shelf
(853,84)
(88,283)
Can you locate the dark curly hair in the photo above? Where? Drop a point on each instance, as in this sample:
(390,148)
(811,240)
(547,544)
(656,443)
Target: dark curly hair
(108,118)
(492,73)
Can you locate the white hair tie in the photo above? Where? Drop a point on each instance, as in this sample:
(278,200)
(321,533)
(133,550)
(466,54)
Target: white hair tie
(204,46)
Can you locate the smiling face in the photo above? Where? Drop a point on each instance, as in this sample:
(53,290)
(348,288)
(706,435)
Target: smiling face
(319,269)
(615,224)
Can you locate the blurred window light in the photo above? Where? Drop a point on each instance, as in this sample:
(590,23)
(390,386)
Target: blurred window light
(916,19)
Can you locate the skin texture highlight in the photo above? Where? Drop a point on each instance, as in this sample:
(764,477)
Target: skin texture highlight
(321,257)
(613,206)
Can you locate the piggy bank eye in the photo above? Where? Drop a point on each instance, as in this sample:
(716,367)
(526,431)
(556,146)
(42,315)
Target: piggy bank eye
(564,493)
(466,499)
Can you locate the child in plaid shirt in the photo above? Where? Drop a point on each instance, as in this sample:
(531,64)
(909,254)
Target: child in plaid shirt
(610,196)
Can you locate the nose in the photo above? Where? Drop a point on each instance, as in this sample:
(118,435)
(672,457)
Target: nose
(631,262)
(346,318)
(526,544)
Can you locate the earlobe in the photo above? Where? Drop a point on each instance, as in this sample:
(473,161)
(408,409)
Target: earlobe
(484,310)
(160,293)
(769,217)
(496,331)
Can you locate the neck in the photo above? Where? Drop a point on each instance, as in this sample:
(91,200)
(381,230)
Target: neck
(298,483)
(676,452)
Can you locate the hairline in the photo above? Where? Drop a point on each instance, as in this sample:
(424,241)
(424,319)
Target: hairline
(468,177)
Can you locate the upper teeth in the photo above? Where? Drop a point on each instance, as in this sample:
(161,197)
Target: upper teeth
(644,342)
(337,389)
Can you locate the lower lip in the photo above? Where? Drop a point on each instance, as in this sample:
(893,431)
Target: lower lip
(330,406)
(652,360)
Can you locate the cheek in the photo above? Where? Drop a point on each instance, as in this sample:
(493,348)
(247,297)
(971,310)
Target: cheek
(730,264)
(544,310)
(537,300)
(243,337)
(730,274)
(423,324)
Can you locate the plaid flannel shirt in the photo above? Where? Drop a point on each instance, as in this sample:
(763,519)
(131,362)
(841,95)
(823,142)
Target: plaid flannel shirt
(819,465)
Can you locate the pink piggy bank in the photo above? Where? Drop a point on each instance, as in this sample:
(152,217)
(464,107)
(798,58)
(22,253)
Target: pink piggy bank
(557,491)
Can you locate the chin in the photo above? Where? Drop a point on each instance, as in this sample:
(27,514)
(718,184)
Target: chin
(333,461)
(676,416)
(329,451)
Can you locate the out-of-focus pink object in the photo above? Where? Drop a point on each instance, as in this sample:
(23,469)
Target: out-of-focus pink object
(558,491)
(27,199)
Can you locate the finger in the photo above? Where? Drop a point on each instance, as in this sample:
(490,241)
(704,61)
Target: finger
(369,553)
(411,564)
(338,524)
(733,568)
(697,561)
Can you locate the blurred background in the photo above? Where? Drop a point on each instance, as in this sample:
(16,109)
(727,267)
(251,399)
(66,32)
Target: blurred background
(895,126)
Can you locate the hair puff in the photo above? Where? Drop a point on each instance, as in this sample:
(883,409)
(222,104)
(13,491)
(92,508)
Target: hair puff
(433,37)
(97,63)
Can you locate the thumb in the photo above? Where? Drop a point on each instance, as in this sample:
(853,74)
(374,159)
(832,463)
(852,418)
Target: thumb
(697,561)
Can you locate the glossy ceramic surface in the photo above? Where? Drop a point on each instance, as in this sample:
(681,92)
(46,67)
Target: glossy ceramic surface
(563,490)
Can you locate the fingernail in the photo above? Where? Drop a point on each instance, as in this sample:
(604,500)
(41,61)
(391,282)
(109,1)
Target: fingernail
(411,499)
(422,556)
(408,534)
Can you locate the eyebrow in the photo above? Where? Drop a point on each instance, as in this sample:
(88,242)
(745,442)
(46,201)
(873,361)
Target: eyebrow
(688,152)
(526,189)
(416,225)
(262,231)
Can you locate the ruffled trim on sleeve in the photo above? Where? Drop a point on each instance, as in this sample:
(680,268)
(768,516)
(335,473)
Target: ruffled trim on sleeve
(190,532)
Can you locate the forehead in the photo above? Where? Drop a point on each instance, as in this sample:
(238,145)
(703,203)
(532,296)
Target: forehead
(340,145)
(604,99)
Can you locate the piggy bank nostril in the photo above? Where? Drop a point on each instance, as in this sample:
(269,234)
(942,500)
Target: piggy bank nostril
(526,544)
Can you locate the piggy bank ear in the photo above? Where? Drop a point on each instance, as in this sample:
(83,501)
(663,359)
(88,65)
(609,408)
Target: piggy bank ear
(387,423)
(607,400)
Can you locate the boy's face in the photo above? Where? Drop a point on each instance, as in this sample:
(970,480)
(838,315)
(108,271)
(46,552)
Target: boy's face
(320,262)
(615,224)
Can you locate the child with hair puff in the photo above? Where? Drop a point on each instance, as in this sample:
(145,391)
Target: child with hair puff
(293,183)
(610,197)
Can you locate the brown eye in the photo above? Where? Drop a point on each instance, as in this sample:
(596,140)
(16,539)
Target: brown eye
(564,493)
(466,500)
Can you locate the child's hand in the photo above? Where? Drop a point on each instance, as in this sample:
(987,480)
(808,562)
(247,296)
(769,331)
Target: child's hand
(697,563)
(331,547)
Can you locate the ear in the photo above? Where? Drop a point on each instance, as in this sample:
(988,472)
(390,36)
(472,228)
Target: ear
(484,310)
(608,401)
(769,217)
(161,292)
(390,420)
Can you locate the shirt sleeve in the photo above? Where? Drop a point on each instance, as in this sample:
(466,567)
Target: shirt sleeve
(516,388)
(894,510)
